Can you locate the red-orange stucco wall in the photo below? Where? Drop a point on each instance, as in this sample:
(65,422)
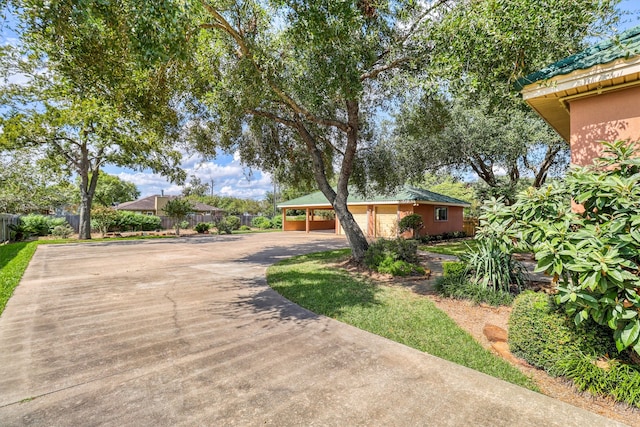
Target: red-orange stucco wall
(432,227)
(609,116)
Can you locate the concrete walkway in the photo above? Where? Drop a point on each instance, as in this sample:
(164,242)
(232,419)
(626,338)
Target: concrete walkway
(185,332)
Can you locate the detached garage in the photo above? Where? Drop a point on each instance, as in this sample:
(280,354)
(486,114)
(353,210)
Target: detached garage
(378,216)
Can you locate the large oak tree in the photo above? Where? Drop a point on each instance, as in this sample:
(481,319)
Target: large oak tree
(295,86)
(91,93)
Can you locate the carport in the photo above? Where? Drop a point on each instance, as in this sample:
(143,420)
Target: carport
(378,215)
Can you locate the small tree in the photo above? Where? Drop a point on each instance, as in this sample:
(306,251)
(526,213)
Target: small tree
(102,218)
(413,222)
(177,209)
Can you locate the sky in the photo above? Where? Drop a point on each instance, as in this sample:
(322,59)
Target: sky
(230,177)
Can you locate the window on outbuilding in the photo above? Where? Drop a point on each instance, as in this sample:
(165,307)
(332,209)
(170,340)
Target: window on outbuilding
(442,214)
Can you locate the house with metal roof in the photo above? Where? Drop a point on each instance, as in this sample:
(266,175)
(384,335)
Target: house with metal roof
(378,215)
(591,96)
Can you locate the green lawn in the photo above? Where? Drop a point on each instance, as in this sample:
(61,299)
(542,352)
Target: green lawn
(14,259)
(391,312)
(453,248)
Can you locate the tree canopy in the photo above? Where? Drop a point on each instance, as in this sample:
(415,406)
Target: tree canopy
(111,190)
(29,183)
(475,121)
(91,97)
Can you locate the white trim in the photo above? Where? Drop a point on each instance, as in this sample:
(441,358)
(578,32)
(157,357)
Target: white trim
(582,78)
(396,202)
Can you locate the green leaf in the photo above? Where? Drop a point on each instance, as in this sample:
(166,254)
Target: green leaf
(630,333)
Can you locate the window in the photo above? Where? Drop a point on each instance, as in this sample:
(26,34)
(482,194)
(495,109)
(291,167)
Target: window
(441,214)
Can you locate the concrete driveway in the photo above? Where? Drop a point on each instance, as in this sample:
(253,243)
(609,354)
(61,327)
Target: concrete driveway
(186,332)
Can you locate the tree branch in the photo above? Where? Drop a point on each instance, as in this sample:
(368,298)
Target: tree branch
(375,72)
(222,24)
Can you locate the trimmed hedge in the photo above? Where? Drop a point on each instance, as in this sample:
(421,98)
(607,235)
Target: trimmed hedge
(542,334)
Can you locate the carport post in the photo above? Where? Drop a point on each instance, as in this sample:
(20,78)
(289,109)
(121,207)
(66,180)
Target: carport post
(307,221)
(284,218)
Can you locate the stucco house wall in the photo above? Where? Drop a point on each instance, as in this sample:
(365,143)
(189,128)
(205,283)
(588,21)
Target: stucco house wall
(606,117)
(433,227)
(591,96)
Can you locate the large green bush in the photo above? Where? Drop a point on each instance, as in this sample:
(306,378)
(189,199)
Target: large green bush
(397,257)
(276,222)
(41,225)
(135,221)
(261,222)
(542,334)
(233,222)
(594,255)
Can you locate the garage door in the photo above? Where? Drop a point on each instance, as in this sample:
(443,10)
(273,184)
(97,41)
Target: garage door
(360,216)
(386,221)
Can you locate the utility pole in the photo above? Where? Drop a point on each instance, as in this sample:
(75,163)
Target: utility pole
(275,212)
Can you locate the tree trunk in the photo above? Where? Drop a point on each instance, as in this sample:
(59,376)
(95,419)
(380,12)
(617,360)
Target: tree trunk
(357,242)
(87,191)
(84,229)
(338,198)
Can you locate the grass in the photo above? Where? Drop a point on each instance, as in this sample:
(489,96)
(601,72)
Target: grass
(391,312)
(14,259)
(453,248)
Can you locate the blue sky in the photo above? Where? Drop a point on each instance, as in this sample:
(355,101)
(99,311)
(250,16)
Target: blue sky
(230,177)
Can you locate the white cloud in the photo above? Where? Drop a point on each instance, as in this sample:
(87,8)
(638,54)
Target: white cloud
(230,178)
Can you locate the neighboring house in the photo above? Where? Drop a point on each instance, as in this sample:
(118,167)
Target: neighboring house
(378,216)
(591,96)
(154,205)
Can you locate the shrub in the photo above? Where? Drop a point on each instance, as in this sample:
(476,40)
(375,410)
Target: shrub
(62,231)
(103,219)
(135,221)
(18,232)
(41,225)
(543,334)
(397,249)
(202,227)
(454,268)
(233,222)
(36,225)
(399,267)
(261,222)
(458,286)
(276,222)
(245,228)
(397,257)
(413,222)
(595,255)
(493,267)
(222,225)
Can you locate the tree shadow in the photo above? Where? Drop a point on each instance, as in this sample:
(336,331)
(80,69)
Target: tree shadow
(272,254)
(10,251)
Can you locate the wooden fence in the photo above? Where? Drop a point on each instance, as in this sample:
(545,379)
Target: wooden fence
(5,221)
(469,226)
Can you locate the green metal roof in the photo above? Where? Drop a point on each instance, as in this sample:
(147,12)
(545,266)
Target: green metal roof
(406,194)
(624,46)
